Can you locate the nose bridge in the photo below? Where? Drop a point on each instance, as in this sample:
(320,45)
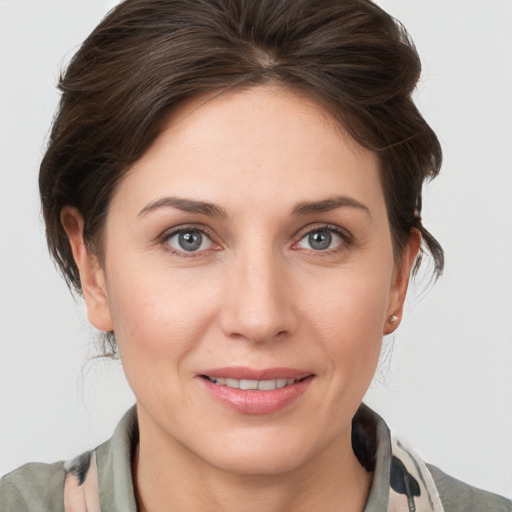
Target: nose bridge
(259,305)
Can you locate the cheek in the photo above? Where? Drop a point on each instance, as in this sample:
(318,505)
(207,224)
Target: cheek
(348,318)
(352,303)
(158,318)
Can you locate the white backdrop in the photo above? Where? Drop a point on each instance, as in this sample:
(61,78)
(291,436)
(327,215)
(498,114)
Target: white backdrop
(447,387)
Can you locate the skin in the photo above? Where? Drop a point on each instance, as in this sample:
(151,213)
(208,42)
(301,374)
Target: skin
(256,294)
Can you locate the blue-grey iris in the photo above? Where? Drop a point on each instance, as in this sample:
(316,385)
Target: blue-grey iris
(320,240)
(190,240)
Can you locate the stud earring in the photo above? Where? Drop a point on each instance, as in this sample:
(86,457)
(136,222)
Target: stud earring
(393,319)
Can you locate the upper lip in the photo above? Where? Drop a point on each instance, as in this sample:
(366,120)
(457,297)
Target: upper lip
(242,372)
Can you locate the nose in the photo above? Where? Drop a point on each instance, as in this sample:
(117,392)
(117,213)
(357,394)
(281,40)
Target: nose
(258,304)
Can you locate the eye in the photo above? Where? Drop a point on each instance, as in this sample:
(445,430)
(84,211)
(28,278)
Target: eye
(189,240)
(321,239)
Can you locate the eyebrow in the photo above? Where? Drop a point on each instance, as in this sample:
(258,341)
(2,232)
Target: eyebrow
(331,203)
(186,205)
(212,210)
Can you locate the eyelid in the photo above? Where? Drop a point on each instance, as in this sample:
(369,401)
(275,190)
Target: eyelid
(317,226)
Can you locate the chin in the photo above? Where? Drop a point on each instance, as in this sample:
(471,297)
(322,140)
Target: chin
(260,455)
(258,463)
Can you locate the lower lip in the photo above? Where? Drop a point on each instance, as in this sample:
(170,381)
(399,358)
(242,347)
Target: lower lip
(255,401)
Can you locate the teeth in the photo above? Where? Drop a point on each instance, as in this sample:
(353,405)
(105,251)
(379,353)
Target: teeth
(247,384)
(281,383)
(267,385)
(233,383)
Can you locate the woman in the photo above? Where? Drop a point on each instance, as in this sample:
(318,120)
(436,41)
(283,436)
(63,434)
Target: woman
(235,188)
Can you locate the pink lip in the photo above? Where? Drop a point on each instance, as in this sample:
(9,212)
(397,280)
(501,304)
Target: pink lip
(256,401)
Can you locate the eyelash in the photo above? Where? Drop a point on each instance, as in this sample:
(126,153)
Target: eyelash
(347,240)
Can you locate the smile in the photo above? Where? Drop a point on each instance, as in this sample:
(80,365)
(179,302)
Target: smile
(251,391)
(248,384)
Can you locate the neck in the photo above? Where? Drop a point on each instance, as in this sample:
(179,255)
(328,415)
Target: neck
(168,477)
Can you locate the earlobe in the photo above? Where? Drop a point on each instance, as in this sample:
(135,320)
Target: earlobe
(92,275)
(400,282)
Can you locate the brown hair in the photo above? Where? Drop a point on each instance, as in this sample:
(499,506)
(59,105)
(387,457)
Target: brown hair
(148,56)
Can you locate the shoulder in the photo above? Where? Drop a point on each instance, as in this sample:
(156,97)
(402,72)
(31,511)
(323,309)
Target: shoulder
(457,496)
(34,486)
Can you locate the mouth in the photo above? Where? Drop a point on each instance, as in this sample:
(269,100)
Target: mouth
(256,392)
(252,384)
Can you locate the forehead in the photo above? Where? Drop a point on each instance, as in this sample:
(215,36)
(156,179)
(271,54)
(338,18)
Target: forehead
(244,146)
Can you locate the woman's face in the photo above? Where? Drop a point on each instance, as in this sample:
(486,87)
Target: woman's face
(249,247)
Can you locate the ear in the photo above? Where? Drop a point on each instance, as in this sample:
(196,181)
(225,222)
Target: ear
(400,282)
(92,276)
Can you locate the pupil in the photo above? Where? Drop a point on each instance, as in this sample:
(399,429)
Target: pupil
(320,240)
(190,240)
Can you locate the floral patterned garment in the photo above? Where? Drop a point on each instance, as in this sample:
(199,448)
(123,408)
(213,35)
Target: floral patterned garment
(81,492)
(412,488)
(411,485)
